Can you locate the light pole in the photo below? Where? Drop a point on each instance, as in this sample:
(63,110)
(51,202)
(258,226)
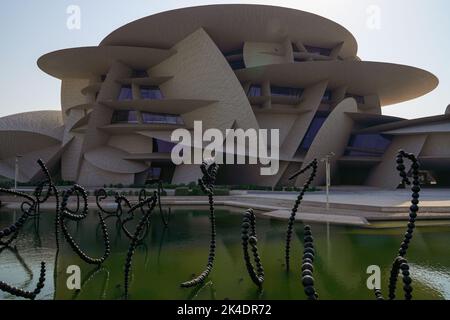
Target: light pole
(327,188)
(16,173)
(328,177)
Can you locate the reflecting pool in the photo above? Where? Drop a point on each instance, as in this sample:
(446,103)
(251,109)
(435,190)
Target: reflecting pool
(171,256)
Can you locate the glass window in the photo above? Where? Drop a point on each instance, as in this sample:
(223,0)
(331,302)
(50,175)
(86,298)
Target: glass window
(255,91)
(151,92)
(314,127)
(234,52)
(154,173)
(162,146)
(124,116)
(368,145)
(318,50)
(140,74)
(238,64)
(286,91)
(359,99)
(125,93)
(327,95)
(155,118)
(295,48)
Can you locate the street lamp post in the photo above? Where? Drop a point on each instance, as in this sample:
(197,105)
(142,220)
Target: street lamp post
(16,173)
(328,177)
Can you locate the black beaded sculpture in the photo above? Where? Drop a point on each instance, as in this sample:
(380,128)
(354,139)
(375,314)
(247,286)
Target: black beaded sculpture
(312,166)
(308,265)
(124,219)
(29,208)
(26,294)
(400,264)
(67,214)
(135,239)
(51,190)
(101,195)
(209,169)
(13,230)
(248,236)
(160,191)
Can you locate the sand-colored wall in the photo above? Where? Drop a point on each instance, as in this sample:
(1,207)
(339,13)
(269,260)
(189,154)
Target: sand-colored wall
(332,137)
(385,174)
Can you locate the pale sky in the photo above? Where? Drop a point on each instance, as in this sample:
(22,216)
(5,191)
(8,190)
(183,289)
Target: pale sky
(410,32)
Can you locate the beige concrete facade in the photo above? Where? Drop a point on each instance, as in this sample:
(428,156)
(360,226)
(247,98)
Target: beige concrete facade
(230,66)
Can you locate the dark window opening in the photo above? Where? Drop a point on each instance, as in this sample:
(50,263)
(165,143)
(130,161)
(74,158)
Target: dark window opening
(140,74)
(160,171)
(314,128)
(161,118)
(368,145)
(234,52)
(318,50)
(255,91)
(238,64)
(327,96)
(359,99)
(151,93)
(295,47)
(125,93)
(103,77)
(124,116)
(162,146)
(286,91)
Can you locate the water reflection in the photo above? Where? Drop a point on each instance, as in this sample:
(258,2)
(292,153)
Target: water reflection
(169,255)
(436,278)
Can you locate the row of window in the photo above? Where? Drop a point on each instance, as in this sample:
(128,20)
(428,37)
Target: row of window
(131,116)
(256,91)
(146,92)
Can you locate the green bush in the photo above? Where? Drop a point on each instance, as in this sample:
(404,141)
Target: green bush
(182,191)
(192,184)
(196,191)
(222,192)
(6,184)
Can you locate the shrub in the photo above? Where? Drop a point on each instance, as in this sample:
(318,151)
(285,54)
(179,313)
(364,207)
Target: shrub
(196,191)
(6,184)
(192,184)
(222,192)
(182,191)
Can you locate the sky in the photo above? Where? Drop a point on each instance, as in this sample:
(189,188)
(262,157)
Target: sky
(410,32)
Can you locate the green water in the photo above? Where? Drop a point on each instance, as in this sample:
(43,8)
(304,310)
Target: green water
(171,256)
